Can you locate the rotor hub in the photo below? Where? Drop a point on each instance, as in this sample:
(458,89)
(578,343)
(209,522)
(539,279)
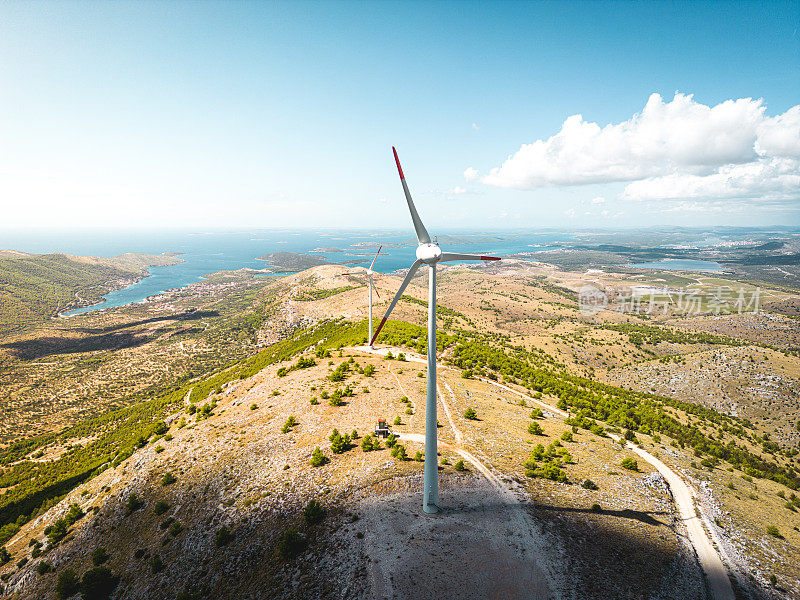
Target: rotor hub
(429,253)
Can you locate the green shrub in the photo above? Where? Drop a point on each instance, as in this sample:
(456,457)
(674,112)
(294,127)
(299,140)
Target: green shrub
(630,464)
(4,556)
(156,564)
(223,537)
(67,584)
(773,581)
(318,458)
(470,414)
(336,398)
(366,443)
(536,413)
(567,436)
(397,420)
(289,424)
(314,512)
(589,485)
(596,508)
(160,507)
(369,370)
(253,406)
(401,357)
(8,531)
(43,567)
(399,452)
(391,440)
(459,466)
(99,556)
(597,430)
(292,544)
(535,429)
(773,531)
(419,456)
(550,469)
(313,401)
(168,479)
(98,583)
(339,443)
(57,532)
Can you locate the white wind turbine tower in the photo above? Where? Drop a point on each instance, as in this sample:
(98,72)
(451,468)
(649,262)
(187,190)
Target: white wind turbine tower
(370,283)
(429,253)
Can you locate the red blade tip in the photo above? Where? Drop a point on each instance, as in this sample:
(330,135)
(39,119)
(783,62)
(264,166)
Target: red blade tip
(490,258)
(397,160)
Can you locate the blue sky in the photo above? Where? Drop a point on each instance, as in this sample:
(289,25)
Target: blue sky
(284,114)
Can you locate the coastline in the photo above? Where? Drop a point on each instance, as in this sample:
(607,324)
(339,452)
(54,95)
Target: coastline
(165,259)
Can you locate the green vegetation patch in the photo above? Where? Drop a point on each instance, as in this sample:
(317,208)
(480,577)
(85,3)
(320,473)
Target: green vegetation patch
(639,334)
(311,295)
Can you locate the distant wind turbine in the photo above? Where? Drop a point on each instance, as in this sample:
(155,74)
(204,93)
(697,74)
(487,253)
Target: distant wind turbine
(428,253)
(370,283)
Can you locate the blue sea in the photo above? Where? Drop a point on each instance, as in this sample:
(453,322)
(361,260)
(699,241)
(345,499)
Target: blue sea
(205,252)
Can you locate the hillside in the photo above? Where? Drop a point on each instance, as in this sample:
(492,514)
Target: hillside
(512,342)
(35,287)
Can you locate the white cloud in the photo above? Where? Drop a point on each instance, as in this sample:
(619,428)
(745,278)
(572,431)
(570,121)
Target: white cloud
(780,135)
(570,212)
(677,149)
(475,126)
(383,200)
(774,179)
(598,200)
(458,190)
(470,174)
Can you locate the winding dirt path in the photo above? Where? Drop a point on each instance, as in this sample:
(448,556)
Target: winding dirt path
(716,573)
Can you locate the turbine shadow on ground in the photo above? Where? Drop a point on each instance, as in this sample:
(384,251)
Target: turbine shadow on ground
(51,345)
(185,316)
(377,543)
(100,338)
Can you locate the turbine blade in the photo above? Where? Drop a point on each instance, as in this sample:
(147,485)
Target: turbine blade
(455,256)
(422,233)
(399,293)
(376,257)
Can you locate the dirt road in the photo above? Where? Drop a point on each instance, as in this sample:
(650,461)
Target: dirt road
(716,573)
(710,561)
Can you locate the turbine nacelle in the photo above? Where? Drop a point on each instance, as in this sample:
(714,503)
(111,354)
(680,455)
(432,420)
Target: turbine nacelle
(429,253)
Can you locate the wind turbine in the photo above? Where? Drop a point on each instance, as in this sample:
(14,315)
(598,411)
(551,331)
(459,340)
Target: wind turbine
(429,253)
(369,273)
